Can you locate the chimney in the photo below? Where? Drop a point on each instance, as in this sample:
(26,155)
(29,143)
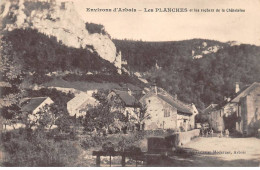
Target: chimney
(129,91)
(237,87)
(175,96)
(155,89)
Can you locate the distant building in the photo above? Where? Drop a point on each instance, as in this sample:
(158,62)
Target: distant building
(247,113)
(35,104)
(167,112)
(209,108)
(32,106)
(215,117)
(240,114)
(80,104)
(216,121)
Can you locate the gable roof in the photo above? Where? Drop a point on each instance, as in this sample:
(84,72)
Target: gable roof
(179,105)
(129,100)
(81,99)
(209,108)
(245,92)
(30,104)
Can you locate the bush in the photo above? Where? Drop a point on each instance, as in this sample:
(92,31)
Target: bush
(39,151)
(95,28)
(93,141)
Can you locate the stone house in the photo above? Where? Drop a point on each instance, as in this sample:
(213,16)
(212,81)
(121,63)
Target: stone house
(241,114)
(79,105)
(246,106)
(167,112)
(215,119)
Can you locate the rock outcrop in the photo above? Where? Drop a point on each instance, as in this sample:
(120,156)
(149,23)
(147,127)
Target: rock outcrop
(58,19)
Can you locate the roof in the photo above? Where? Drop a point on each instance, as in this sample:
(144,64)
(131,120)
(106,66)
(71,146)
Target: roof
(209,108)
(181,107)
(81,99)
(30,104)
(129,100)
(245,92)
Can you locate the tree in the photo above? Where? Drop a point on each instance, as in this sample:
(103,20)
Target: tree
(11,77)
(141,116)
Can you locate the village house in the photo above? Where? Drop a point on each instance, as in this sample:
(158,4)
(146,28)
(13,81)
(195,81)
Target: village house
(32,106)
(129,106)
(215,119)
(167,112)
(208,109)
(241,113)
(214,116)
(35,104)
(247,103)
(79,105)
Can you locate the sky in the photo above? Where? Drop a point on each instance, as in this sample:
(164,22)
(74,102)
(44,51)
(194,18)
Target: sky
(243,27)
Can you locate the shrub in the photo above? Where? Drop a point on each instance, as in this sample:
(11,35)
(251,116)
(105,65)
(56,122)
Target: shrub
(39,151)
(35,5)
(95,28)
(93,141)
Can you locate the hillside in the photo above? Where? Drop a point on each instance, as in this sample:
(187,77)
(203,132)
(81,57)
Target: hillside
(202,80)
(58,19)
(45,40)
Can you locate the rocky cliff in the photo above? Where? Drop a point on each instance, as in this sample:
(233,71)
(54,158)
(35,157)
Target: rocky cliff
(58,19)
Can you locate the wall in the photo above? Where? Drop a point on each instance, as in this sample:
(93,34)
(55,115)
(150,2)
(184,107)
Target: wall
(216,120)
(184,121)
(250,112)
(181,138)
(156,107)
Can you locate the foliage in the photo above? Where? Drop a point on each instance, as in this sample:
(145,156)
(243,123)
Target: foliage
(41,55)
(58,110)
(25,148)
(96,28)
(11,76)
(201,118)
(200,81)
(141,116)
(35,5)
(93,141)
(108,115)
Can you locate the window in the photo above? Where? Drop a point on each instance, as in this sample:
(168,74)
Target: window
(166,113)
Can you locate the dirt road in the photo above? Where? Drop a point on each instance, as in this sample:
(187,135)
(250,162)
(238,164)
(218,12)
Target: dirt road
(218,152)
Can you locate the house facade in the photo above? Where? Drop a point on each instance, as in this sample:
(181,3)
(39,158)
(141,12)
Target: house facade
(79,105)
(167,112)
(214,116)
(241,114)
(248,113)
(215,119)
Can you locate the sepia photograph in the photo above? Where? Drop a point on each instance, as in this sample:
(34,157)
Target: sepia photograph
(129,83)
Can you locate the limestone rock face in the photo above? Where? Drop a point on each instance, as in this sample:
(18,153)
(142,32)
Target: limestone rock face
(58,19)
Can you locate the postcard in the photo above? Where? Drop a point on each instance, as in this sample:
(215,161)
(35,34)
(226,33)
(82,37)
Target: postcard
(129,83)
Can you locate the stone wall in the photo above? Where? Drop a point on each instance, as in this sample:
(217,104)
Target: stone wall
(181,138)
(250,112)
